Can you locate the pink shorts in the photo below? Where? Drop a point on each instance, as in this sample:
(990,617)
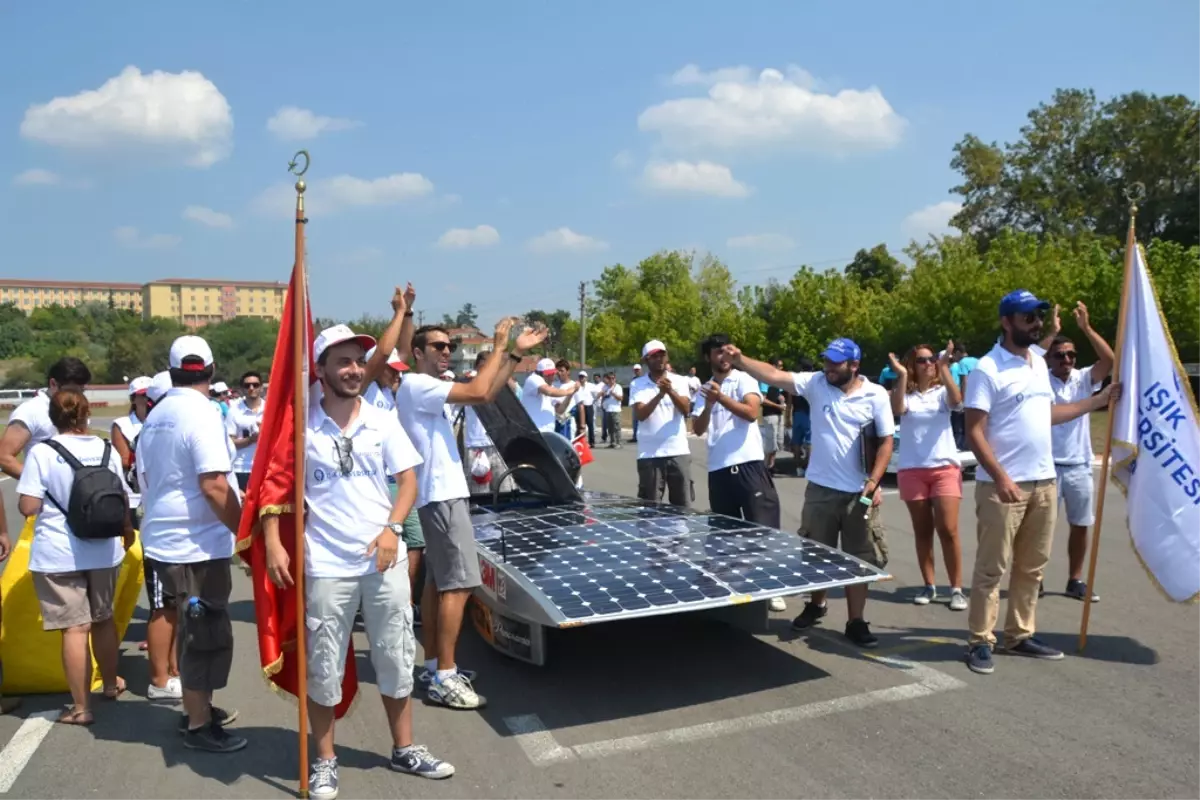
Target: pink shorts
(926,483)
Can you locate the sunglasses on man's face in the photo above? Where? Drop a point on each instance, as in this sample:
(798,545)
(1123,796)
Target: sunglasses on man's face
(444,347)
(1034,316)
(1065,355)
(251,385)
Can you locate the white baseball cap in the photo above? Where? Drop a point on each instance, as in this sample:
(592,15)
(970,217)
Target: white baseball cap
(653,346)
(638,367)
(583,373)
(140,384)
(394,360)
(220,387)
(337,335)
(190,347)
(449,374)
(546,365)
(160,384)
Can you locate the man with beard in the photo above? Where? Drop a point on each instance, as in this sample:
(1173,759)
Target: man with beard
(1010,410)
(352,544)
(661,405)
(452,565)
(842,497)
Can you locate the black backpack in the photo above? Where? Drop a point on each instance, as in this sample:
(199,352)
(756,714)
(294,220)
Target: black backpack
(98,507)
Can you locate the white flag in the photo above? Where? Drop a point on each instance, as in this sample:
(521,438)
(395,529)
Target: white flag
(1156,445)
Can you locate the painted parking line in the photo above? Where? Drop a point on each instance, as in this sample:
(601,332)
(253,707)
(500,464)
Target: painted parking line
(22,746)
(543,750)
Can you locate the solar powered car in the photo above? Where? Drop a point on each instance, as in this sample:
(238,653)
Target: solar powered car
(553,556)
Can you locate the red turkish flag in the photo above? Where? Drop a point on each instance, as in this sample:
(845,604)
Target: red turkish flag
(272,490)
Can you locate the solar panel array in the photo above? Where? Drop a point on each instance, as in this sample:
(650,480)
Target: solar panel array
(614,556)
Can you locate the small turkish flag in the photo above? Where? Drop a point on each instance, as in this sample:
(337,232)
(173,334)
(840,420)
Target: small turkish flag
(585,452)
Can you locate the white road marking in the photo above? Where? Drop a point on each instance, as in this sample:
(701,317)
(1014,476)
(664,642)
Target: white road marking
(22,746)
(543,749)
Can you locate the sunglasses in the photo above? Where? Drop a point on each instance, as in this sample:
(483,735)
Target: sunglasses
(1065,355)
(251,385)
(925,359)
(344,449)
(444,347)
(1034,316)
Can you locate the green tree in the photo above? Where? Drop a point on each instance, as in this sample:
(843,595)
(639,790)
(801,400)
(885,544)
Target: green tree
(875,268)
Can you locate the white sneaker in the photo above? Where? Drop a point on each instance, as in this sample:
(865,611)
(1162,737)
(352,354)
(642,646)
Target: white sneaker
(173,691)
(927,595)
(455,692)
(958,600)
(777,604)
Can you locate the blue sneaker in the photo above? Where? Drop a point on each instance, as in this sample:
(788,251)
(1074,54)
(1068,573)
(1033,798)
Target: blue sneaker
(417,760)
(979,659)
(323,780)
(1032,648)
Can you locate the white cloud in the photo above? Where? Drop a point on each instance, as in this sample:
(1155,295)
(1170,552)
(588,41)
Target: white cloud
(297,124)
(623,160)
(180,113)
(934,219)
(36,177)
(130,236)
(462,238)
(761,241)
(774,108)
(703,177)
(565,240)
(206,216)
(344,191)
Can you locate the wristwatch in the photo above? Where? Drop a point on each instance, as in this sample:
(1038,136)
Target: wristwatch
(516,358)
(396,527)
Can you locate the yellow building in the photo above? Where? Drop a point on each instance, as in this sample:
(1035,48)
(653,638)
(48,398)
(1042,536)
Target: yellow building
(28,295)
(196,302)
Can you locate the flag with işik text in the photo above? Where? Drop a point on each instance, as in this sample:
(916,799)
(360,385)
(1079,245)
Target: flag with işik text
(1156,444)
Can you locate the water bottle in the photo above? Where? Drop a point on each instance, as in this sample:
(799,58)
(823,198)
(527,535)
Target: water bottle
(196,607)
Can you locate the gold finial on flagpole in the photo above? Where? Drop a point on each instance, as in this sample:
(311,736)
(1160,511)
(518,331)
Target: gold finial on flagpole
(299,173)
(1134,193)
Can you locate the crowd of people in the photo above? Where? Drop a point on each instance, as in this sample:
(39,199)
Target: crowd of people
(388,483)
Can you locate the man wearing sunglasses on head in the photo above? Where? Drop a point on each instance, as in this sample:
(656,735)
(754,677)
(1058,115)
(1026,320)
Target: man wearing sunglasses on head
(452,565)
(354,555)
(1010,411)
(1073,454)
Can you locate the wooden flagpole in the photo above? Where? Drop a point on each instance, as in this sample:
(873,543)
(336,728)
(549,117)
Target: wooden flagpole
(300,349)
(1133,194)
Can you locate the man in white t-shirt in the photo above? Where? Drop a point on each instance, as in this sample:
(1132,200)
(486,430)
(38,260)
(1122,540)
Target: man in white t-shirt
(451,559)
(354,556)
(1010,410)
(540,398)
(660,406)
(585,398)
(243,423)
(694,383)
(611,395)
(1072,440)
(852,429)
(637,373)
(30,423)
(566,409)
(191,511)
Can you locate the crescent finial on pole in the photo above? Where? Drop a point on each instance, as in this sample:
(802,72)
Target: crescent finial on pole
(1135,193)
(299,173)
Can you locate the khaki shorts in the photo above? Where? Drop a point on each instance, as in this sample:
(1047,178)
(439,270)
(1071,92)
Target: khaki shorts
(70,599)
(828,514)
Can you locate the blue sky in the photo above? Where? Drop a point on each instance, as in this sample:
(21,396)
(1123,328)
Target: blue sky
(499,153)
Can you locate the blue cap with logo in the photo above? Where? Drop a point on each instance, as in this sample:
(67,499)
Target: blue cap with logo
(1022,301)
(840,350)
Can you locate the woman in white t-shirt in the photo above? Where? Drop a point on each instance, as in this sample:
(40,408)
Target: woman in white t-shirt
(125,430)
(75,579)
(929,474)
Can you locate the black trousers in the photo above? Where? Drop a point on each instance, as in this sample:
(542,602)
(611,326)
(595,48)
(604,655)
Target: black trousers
(589,419)
(746,491)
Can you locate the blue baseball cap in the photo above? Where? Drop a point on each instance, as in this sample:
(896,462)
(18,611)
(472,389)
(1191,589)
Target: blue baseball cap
(840,350)
(1022,301)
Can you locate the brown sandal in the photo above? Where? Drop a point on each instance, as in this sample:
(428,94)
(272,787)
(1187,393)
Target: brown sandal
(75,716)
(113,692)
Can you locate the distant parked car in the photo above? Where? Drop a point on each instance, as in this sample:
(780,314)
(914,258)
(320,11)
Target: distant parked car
(965,457)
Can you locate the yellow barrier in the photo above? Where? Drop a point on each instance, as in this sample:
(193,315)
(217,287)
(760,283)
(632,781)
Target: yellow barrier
(33,657)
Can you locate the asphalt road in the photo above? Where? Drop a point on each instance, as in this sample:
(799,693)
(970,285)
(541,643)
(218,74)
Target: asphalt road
(678,707)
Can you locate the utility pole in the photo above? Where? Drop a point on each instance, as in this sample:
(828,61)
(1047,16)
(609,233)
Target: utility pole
(420,318)
(582,323)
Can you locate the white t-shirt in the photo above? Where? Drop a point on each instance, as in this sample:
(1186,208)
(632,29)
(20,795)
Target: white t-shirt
(34,414)
(838,420)
(1017,397)
(664,432)
(694,385)
(926,438)
(612,398)
(1072,441)
(380,398)
(539,406)
(421,403)
(475,434)
(586,394)
(347,511)
(183,439)
(731,439)
(55,549)
(130,426)
(242,421)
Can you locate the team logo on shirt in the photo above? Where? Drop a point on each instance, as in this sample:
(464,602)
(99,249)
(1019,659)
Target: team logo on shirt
(828,409)
(320,475)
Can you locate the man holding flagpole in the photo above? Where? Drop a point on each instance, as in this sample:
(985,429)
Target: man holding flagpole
(1009,413)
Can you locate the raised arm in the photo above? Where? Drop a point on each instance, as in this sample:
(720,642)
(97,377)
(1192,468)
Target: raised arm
(760,370)
(389,338)
(954,396)
(900,387)
(1104,354)
(1053,328)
